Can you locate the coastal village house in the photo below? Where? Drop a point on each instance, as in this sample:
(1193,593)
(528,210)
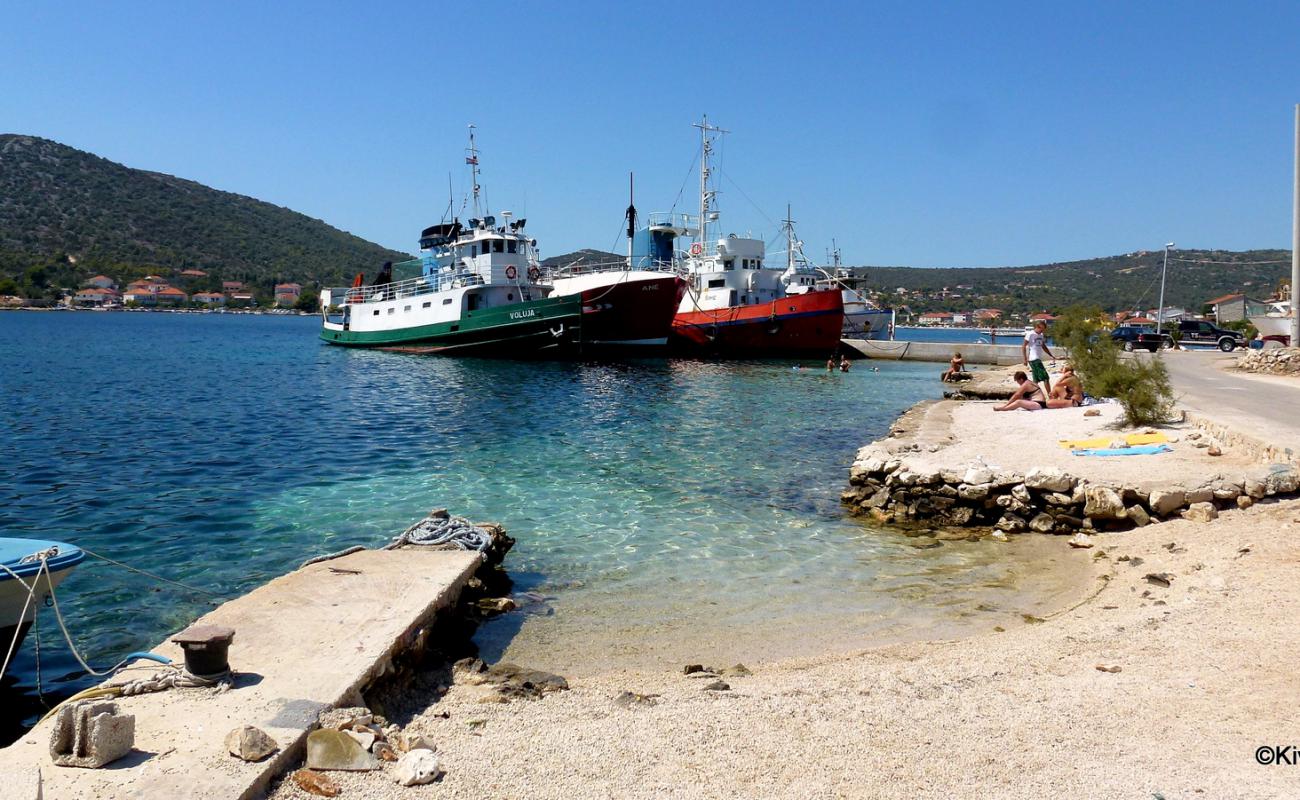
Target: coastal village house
(171,296)
(286,294)
(231,287)
(139,296)
(935,318)
(95,297)
(102,282)
(209,298)
(193,273)
(1229,308)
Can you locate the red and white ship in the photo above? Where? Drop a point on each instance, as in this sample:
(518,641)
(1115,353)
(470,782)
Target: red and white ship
(735,304)
(627,305)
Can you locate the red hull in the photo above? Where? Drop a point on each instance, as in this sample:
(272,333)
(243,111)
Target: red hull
(631,313)
(806,324)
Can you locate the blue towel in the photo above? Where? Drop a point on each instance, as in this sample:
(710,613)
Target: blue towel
(1140,450)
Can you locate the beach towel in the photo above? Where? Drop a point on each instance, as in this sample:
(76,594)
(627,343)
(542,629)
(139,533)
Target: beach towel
(1141,450)
(1104,441)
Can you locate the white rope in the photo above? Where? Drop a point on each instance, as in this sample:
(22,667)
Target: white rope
(456,531)
(175,678)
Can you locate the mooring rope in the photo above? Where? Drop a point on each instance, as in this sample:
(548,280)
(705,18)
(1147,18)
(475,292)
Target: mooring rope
(456,531)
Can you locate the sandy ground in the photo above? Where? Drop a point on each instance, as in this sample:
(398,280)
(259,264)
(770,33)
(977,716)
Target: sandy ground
(1207,676)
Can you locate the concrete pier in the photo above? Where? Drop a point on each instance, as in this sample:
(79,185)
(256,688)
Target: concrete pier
(312,639)
(994,354)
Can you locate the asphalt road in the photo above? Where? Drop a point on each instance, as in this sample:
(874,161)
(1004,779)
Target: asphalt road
(1264,406)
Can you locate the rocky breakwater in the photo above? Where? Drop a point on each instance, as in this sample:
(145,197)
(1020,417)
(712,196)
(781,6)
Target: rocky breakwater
(900,483)
(1271,361)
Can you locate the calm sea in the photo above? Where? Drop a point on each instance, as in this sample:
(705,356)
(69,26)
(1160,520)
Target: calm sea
(660,504)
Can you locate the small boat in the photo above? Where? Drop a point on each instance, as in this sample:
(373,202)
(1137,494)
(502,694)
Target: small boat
(476,290)
(1274,325)
(736,305)
(30,569)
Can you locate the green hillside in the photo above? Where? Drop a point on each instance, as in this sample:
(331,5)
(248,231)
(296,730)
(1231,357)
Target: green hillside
(1114,282)
(66,215)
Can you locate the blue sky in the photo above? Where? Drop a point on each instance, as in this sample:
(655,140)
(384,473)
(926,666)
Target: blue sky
(946,134)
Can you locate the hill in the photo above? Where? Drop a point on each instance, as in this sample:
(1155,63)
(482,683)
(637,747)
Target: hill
(1115,283)
(66,215)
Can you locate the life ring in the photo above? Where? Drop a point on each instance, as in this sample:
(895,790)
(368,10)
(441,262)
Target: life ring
(511,272)
(534,273)
(696,249)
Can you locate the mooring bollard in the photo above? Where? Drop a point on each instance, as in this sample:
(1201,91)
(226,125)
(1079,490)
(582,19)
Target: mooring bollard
(206,648)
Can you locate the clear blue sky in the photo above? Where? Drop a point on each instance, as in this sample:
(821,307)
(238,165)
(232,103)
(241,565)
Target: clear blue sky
(915,134)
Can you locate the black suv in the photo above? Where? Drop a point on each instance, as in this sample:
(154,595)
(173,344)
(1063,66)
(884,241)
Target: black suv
(1198,331)
(1135,338)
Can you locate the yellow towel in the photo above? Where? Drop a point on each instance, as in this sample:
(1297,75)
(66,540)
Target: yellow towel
(1132,439)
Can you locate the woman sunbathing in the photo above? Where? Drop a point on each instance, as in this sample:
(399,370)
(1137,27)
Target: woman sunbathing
(1068,391)
(1029,396)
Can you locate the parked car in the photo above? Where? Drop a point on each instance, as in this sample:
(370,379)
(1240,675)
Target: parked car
(1198,331)
(1135,338)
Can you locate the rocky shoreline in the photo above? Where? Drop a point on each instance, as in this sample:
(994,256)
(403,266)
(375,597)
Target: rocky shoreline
(898,480)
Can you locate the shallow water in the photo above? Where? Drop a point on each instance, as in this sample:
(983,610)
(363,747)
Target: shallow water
(659,505)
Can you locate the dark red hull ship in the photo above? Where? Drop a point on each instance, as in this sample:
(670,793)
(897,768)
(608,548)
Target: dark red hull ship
(798,325)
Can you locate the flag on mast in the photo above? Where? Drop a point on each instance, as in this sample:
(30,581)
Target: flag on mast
(471,160)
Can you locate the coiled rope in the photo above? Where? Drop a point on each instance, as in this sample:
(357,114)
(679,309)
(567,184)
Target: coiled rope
(436,530)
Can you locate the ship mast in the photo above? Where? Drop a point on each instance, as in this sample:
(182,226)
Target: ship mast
(631,219)
(706,171)
(472,160)
(789,240)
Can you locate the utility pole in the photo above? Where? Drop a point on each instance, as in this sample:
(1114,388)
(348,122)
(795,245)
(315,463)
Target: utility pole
(1295,240)
(1160,311)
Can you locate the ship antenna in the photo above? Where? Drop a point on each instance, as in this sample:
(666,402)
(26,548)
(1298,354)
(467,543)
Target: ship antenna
(472,160)
(706,195)
(631,219)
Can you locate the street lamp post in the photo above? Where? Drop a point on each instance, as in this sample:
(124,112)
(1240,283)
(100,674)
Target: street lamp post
(1160,311)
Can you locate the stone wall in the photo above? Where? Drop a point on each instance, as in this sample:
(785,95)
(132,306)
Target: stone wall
(1271,361)
(891,488)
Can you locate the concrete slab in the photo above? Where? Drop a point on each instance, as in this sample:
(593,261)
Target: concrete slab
(310,639)
(940,352)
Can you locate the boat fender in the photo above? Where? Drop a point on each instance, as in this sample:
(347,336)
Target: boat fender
(511,272)
(696,249)
(534,273)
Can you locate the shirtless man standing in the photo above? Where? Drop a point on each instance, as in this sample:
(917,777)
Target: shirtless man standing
(1031,353)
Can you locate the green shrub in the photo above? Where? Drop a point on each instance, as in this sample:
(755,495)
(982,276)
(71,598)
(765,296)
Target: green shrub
(1140,384)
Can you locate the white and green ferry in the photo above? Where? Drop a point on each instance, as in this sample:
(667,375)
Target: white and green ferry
(474,290)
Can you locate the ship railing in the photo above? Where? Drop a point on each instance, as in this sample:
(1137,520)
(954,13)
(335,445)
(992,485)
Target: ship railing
(590,268)
(684,224)
(412,287)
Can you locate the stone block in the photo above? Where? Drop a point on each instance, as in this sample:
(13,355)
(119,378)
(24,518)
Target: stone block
(91,734)
(1021,493)
(1042,523)
(1139,516)
(328,748)
(1203,494)
(1049,480)
(1255,488)
(1102,502)
(976,475)
(1245,501)
(1201,512)
(1166,501)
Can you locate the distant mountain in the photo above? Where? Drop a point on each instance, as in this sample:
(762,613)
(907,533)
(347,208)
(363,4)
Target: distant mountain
(583,258)
(66,215)
(1115,283)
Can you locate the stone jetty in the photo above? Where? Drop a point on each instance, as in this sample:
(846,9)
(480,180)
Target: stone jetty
(937,468)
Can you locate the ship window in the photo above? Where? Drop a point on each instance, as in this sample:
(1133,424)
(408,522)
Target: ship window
(510,297)
(512,246)
(729,264)
(498,246)
(446,301)
(473,250)
(376,312)
(716,283)
(391,310)
(407,308)
(427,303)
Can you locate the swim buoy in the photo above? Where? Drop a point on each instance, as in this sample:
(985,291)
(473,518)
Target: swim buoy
(511,272)
(696,249)
(534,273)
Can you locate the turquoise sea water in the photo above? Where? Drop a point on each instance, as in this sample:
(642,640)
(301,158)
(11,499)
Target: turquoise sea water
(653,501)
